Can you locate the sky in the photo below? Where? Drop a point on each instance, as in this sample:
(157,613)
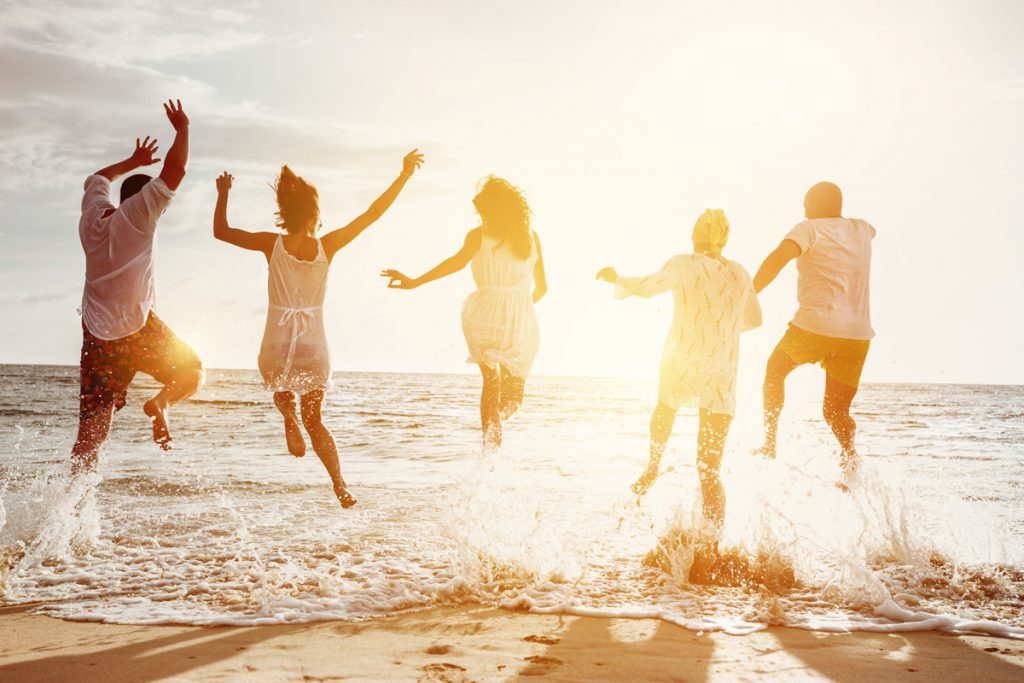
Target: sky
(621,122)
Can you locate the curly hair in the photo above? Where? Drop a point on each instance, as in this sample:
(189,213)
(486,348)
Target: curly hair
(297,201)
(505,214)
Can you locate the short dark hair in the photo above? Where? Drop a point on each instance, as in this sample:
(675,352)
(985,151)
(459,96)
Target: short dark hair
(132,184)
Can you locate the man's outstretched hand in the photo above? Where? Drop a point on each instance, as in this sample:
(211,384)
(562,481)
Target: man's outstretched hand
(145,152)
(175,114)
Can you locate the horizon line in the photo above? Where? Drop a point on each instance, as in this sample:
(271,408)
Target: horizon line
(547,376)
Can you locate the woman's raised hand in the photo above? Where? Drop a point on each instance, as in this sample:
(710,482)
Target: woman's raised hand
(412,161)
(398,280)
(607,274)
(224,182)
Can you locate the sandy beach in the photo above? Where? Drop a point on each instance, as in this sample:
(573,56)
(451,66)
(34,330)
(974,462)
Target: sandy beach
(481,644)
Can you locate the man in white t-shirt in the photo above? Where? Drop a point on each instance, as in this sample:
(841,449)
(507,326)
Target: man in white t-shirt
(121,333)
(832,326)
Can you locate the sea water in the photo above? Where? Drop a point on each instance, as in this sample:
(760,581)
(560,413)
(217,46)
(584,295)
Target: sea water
(230,529)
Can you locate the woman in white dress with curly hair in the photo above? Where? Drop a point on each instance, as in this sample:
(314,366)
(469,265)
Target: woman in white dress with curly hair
(498,319)
(714,302)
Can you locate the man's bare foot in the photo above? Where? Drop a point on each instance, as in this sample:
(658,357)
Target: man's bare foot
(642,485)
(293,435)
(765,451)
(82,466)
(161,432)
(346,499)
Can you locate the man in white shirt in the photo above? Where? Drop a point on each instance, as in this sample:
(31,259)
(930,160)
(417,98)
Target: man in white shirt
(121,333)
(832,325)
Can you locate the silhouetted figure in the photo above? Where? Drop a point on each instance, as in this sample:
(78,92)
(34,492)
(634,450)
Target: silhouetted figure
(294,357)
(122,334)
(498,319)
(832,325)
(714,303)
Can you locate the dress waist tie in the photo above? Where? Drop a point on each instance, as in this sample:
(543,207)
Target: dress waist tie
(300,320)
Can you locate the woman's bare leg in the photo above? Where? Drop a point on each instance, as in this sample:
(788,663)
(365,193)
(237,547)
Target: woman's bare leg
(323,444)
(711,436)
(490,400)
(662,420)
(512,388)
(285,402)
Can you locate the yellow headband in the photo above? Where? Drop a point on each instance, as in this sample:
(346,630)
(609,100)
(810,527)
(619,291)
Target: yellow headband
(712,229)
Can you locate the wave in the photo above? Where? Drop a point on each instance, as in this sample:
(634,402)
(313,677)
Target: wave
(229,529)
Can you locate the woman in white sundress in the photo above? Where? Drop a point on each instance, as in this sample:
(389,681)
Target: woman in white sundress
(714,303)
(294,357)
(498,319)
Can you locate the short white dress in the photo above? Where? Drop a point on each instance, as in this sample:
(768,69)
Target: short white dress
(294,355)
(714,302)
(498,319)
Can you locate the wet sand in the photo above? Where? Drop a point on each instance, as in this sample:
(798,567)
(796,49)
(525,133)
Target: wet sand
(480,644)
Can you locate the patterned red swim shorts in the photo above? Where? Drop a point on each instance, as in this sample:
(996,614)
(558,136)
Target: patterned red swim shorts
(108,365)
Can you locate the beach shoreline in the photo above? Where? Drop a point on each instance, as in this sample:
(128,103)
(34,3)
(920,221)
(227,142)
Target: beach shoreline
(483,644)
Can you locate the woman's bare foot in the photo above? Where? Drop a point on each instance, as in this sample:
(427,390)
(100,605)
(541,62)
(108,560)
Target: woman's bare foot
(509,410)
(293,435)
(346,499)
(765,451)
(642,485)
(849,462)
(161,432)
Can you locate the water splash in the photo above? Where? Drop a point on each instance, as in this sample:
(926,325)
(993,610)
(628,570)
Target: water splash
(230,530)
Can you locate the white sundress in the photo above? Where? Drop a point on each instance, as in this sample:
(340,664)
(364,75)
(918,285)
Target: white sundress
(498,319)
(714,302)
(294,355)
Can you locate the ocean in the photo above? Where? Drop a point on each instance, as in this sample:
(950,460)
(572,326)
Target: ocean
(230,529)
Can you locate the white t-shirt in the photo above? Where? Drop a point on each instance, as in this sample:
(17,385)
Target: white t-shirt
(118,245)
(834,268)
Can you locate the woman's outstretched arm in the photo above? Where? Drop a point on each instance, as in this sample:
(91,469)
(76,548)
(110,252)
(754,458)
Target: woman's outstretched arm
(646,287)
(452,264)
(255,241)
(335,240)
(540,278)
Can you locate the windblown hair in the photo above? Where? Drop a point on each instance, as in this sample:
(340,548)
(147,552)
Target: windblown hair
(505,214)
(297,202)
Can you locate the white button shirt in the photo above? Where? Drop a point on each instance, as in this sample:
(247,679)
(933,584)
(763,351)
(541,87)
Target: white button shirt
(118,245)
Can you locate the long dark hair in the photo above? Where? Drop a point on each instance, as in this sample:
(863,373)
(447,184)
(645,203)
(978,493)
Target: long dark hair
(297,202)
(505,214)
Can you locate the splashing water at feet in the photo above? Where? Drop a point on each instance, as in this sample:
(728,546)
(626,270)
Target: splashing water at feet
(230,529)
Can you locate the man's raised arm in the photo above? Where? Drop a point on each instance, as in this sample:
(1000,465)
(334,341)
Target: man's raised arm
(142,156)
(177,156)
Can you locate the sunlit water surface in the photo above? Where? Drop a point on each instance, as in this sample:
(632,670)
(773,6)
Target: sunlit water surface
(229,529)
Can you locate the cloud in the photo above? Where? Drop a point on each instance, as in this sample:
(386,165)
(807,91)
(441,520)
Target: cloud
(61,117)
(129,32)
(43,295)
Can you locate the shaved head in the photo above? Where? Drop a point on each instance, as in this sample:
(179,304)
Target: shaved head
(824,200)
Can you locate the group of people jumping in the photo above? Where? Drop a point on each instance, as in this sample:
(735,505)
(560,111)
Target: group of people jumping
(715,301)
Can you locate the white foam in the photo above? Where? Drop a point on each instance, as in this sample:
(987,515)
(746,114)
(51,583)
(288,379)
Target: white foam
(232,535)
